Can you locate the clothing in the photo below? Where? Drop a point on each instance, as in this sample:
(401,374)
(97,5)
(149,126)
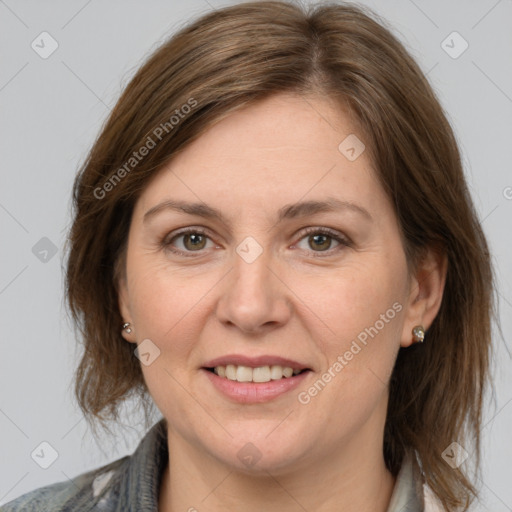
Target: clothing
(131,484)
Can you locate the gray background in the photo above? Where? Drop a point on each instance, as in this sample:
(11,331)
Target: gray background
(51,111)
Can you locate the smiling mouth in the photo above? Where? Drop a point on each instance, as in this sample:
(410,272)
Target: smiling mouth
(258,374)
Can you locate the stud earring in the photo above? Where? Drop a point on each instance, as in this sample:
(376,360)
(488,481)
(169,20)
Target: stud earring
(418,334)
(127,328)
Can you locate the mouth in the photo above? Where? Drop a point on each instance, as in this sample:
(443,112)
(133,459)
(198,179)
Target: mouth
(247,380)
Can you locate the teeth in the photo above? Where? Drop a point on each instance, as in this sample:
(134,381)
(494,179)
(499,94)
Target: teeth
(259,374)
(276,372)
(287,371)
(231,372)
(244,374)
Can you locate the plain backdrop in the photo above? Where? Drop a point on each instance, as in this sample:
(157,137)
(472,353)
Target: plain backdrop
(51,111)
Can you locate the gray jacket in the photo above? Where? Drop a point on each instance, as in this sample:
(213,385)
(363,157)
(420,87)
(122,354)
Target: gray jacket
(131,484)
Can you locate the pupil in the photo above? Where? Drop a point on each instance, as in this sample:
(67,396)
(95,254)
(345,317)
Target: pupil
(195,240)
(325,244)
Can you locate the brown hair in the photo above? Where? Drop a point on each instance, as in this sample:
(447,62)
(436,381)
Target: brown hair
(235,56)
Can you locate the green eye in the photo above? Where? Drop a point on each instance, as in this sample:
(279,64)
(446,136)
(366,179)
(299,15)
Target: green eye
(194,241)
(321,241)
(187,241)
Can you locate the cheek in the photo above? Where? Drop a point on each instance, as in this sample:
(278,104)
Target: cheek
(159,296)
(155,303)
(360,309)
(169,306)
(352,298)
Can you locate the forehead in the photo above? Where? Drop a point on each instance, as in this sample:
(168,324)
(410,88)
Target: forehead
(270,153)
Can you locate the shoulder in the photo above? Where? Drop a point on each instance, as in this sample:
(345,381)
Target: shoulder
(132,479)
(84,492)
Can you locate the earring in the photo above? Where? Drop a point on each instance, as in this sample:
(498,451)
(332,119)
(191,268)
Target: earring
(127,328)
(418,334)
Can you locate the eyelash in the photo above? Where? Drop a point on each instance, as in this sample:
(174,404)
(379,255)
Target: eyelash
(166,242)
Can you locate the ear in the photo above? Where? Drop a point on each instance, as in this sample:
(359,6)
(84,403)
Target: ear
(425,293)
(124,308)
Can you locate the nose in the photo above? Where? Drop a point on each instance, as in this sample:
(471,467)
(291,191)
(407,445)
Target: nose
(255,298)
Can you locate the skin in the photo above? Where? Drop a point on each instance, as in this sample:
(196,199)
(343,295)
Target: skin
(294,301)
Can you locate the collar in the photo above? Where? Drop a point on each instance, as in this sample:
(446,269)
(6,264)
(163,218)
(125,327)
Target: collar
(140,482)
(408,491)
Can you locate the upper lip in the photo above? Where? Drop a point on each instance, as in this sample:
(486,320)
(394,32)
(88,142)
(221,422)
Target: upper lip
(254,362)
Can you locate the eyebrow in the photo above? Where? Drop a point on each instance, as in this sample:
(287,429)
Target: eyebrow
(289,211)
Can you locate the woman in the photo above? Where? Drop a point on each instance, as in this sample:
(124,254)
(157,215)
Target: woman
(273,241)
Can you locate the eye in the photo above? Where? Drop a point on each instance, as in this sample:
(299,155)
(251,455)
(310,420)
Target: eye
(187,241)
(321,240)
(194,240)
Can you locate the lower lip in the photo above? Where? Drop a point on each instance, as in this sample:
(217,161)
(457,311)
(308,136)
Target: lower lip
(255,392)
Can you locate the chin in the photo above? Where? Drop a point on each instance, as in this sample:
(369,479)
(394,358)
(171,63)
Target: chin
(256,452)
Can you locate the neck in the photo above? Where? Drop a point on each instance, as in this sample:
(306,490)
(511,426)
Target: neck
(353,479)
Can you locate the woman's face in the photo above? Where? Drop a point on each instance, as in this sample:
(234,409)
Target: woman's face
(293,261)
